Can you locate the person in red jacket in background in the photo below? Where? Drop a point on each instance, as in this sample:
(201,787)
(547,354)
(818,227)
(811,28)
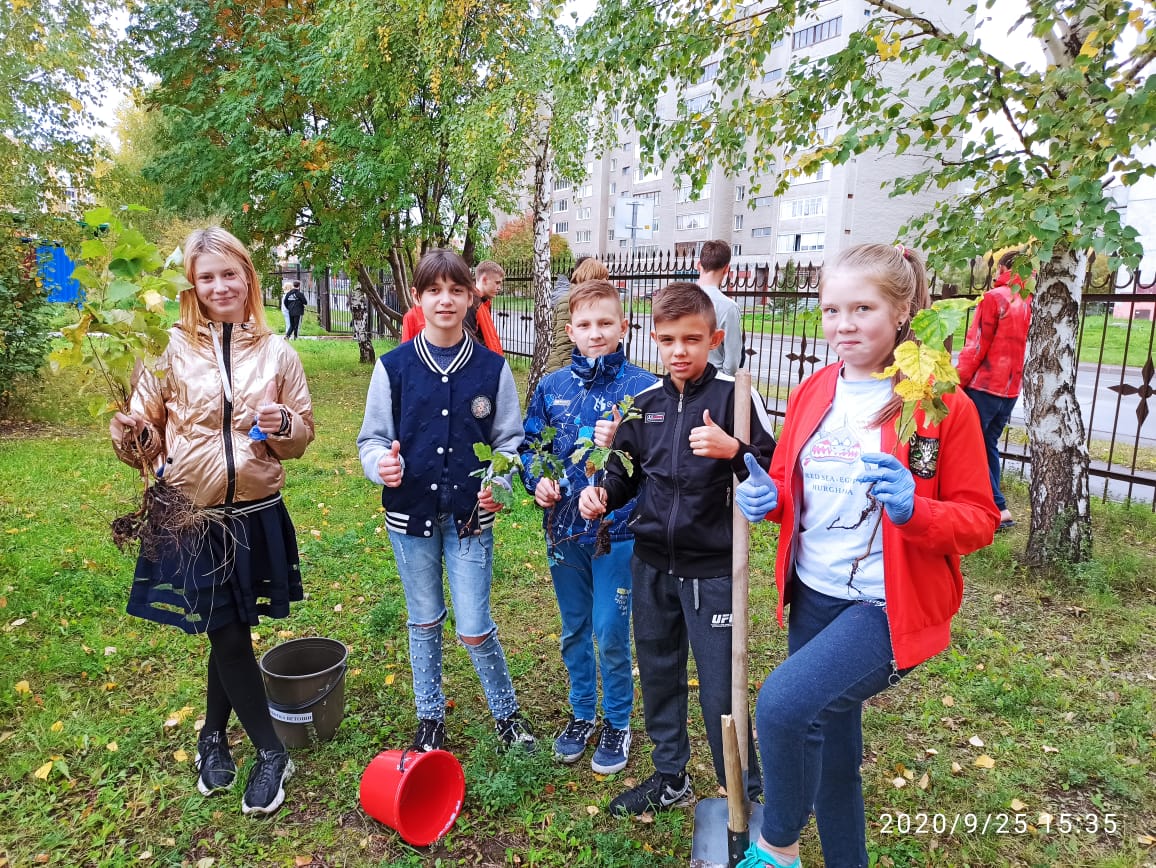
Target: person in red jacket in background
(479,322)
(991,363)
(871,535)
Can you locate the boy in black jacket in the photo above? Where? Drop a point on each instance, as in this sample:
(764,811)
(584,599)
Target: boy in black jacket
(684,458)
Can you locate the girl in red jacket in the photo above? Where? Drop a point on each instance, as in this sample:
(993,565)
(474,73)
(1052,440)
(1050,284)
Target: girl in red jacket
(868,557)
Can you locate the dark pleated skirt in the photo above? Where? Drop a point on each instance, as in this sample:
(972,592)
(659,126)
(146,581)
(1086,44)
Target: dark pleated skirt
(237,570)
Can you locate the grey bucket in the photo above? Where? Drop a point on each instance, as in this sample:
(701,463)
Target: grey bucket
(305,688)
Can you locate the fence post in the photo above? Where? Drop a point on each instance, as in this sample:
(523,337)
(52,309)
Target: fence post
(323,301)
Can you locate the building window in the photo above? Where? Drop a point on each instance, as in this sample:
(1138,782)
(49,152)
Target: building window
(698,220)
(625,194)
(611,210)
(736,250)
(609,234)
(654,196)
(796,209)
(820,32)
(698,103)
(772,75)
(825,134)
(613,163)
(582,236)
(761,232)
(709,72)
(762,201)
(561,205)
(820,174)
(584,213)
(740,193)
(613,187)
(800,242)
(738,222)
(561,228)
(687,194)
(589,169)
(561,185)
(586,191)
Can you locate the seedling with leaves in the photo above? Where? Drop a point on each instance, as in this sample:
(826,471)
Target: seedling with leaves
(495,472)
(122,324)
(596,458)
(546,465)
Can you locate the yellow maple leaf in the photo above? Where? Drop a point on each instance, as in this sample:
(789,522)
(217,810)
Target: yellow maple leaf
(389,679)
(984,761)
(22,687)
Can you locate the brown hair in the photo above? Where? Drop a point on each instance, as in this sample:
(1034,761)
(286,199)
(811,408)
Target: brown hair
(218,241)
(488,266)
(677,300)
(899,275)
(715,255)
(440,262)
(588,268)
(590,291)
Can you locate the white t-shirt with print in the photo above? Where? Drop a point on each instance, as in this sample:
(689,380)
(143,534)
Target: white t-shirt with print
(837,520)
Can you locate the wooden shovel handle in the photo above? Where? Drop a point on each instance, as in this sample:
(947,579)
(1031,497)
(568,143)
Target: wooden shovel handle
(740,579)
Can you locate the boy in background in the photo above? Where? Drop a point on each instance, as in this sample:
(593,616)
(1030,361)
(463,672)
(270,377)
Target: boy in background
(684,457)
(593,590)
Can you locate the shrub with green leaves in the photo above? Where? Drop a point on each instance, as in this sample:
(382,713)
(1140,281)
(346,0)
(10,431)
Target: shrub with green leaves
(24,324)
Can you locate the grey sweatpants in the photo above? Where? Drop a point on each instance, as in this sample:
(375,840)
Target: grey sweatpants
(670,614)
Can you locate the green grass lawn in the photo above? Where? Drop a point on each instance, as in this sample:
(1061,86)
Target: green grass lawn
(1054,675)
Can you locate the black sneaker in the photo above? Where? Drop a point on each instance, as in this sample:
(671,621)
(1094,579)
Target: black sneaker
(266,788)
(431,735)
(657,793)
(215,764)
(514,730)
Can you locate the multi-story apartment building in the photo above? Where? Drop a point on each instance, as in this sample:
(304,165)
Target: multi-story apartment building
(819,215)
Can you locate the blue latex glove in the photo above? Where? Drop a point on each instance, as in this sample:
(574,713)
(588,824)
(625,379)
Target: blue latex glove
(756,495)
(894,485)
(256,433)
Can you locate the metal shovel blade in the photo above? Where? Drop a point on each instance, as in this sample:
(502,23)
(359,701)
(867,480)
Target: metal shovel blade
(710,847)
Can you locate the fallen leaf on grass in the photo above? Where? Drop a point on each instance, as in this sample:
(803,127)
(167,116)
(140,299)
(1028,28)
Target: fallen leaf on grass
(956,768)
(692,682)
(899,783)
(975,741)
(949,701)
(930,751)
(645,817)
(109,650)
(1146,840)
(42,772)
(924,782)
(22,687)
(145,856)
(301,861)
(19,622)
(591,810)
(58,726)
(112,747)
(389,679)
(1049,749)
(1016,805)
(1045,819)
(181,756)
(206,862)
(984,761)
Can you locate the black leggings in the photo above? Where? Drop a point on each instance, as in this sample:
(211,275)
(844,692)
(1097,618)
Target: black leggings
(235,684)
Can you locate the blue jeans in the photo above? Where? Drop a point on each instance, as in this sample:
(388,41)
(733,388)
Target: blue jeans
(808,718)
(994,413)
(469,568)
(594,600)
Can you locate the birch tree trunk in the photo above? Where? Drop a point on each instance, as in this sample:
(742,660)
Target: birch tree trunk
(1061,530)
(359,323)
(541,277)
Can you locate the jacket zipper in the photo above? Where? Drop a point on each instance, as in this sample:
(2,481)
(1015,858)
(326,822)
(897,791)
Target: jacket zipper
(227,417)
(674,474)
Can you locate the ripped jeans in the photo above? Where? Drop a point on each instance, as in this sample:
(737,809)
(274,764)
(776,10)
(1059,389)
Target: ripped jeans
(469,569)
(594,600)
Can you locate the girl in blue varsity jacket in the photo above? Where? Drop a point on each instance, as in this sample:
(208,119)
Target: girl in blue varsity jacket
(429,401)
(593,589)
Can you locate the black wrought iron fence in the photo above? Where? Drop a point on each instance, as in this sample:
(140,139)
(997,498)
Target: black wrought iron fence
(783,345)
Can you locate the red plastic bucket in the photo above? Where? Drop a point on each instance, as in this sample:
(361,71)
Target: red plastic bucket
(418,794)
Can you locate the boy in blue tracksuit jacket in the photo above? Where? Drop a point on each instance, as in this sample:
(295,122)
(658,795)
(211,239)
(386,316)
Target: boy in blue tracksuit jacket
(683,460)
(593,590)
